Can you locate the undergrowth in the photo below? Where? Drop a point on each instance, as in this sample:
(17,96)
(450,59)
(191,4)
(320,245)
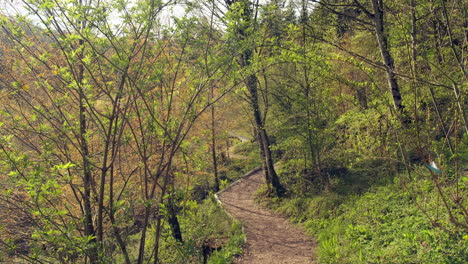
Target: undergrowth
(203,223)
(378,223)
(245,159)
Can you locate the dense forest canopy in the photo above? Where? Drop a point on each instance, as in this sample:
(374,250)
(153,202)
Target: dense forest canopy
(118,124)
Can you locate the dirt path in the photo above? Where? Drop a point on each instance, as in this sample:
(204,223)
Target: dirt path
(270,237)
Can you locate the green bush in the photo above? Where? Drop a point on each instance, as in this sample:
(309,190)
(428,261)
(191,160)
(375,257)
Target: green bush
(210,223)
(200,223)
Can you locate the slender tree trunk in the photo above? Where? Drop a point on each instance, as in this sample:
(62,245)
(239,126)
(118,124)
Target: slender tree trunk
(264,140)
(173,221)
(109,148)
(459,58)
(313,146)
(414,65)
(115,229)
(251,82)
(147,196)
(414,39)
(387,58)
(87,176)
(461,107)
(436,33)
(275,182)
(263,158)
(157,238)
(213,145)
(87,181)
(141,251)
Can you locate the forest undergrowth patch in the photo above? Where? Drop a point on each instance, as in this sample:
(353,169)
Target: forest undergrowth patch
(376,222)
(209,235)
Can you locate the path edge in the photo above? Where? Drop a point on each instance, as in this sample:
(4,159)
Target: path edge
(220,203)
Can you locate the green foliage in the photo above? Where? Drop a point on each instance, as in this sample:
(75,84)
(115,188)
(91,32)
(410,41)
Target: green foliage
(357,140)
(99,103)
(383,225)
(244,157)
(202,224)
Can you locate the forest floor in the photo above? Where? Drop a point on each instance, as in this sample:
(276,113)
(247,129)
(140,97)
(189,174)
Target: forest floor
(271,238)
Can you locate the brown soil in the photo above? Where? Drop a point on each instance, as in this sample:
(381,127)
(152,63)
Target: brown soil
(270,237)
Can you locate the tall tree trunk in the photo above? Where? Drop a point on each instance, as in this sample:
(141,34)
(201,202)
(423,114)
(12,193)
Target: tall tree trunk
(213,145)
(264,140)
(312,141)
(436,32)
(387,58)
(166,181)
(157,239)
(142,243)
(457,53)
(109,148)
(252,86)
(115,228)
(263,158)
(277,188)
(87,177)
(461,61)
(415,66)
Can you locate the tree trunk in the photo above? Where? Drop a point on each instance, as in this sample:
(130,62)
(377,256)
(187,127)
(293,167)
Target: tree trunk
(263,158)
(275,182)
(173,222)
(157,238)
(141,250)
(166,181)
(251,83)
(115,228)
(87,176)
(387,58)
(436,33)
(213,145)
(264,140)
(87,182)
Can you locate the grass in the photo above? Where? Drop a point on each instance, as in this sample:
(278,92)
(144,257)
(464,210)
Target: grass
(376,221)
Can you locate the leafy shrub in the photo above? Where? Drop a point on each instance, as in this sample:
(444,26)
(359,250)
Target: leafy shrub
(203,223)
(200,223)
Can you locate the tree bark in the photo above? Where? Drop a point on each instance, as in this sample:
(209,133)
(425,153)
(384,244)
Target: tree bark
(387,58)
(87,176)
(252,86)
(436,33)
(264,140)
(263,158)
(173,222)
(213,145)
(87,179)
(115,229)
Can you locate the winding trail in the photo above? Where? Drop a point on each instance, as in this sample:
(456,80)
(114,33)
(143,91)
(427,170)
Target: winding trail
(271,239)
